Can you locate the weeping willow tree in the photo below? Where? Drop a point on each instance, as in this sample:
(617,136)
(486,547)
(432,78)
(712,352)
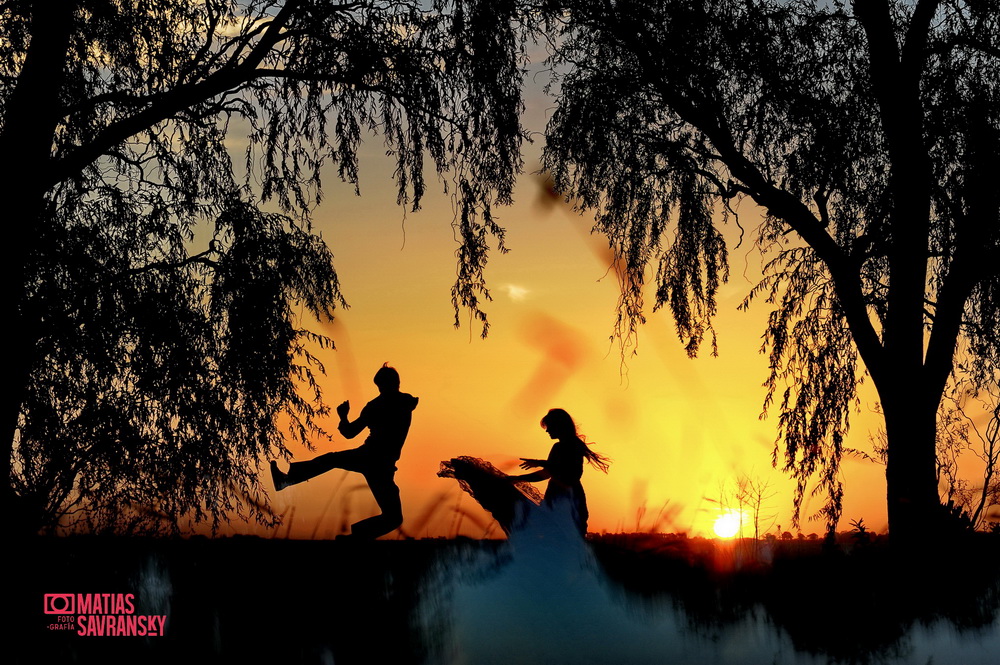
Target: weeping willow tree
(157,272)
(868,133)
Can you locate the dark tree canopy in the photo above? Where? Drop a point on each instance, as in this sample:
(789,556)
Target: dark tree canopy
(869,134)
(162,278)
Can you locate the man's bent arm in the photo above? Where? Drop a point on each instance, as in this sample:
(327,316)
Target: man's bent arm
(346,427)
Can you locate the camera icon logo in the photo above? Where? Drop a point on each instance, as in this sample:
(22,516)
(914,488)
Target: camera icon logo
(59,603)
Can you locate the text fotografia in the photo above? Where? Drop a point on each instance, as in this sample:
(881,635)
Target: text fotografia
(101,615)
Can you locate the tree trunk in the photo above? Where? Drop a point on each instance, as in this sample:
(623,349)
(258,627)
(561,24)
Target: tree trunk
(911,469)
(24,329)
(26,139)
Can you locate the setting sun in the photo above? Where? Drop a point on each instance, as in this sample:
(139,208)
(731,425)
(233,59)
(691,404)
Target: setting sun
(728,524)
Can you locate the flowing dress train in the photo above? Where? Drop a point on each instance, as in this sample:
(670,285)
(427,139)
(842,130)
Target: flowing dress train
(511,502)
(508,502)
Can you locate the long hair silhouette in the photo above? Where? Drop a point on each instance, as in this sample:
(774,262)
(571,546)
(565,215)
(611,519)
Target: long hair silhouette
(560,425)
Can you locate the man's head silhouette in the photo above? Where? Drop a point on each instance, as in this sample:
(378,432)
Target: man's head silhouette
(387,379)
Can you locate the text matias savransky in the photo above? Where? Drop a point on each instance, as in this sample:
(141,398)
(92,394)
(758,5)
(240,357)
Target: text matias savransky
(113,615)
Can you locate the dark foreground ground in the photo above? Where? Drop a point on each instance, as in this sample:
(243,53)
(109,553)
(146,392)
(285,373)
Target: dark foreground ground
(250,600)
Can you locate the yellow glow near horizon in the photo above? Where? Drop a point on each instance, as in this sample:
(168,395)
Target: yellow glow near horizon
(729,523)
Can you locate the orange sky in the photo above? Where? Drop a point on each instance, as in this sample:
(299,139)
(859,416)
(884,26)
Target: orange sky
(680,431)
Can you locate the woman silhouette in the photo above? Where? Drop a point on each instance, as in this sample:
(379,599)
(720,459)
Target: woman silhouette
(506,496)
(564,467)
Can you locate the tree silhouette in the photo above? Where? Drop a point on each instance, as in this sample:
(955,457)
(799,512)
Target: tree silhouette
(868,133)
(960,438)
(156,279)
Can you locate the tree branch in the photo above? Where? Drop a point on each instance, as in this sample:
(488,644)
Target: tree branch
(169,103)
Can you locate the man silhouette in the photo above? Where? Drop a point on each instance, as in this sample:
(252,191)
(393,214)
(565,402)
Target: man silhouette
(387,418)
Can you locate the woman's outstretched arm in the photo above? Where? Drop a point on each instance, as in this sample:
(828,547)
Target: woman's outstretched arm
(528,463)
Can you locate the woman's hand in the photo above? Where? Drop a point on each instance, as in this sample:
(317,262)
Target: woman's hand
(528,463)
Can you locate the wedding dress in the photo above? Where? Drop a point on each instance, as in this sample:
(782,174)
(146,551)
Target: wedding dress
(507,501)
(513,502)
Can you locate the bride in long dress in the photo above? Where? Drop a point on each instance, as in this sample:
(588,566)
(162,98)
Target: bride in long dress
(510,499)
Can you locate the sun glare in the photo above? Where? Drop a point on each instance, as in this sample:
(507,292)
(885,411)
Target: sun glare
(728,524)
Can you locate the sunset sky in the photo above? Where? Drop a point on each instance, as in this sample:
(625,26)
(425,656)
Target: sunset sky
(680,431)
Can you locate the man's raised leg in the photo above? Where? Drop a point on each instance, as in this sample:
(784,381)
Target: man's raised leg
(299,472)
